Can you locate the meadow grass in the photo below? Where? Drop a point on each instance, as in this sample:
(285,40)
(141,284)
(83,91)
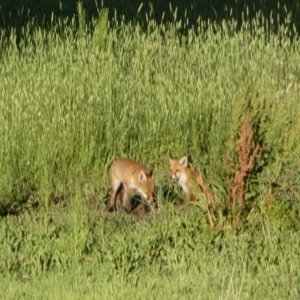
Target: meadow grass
(72,103)
(70,107)
(170,255)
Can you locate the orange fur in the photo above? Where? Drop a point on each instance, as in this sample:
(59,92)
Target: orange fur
(129,175)
(180,172)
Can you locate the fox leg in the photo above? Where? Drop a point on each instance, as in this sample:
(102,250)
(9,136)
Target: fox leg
(115,186)
(126,198)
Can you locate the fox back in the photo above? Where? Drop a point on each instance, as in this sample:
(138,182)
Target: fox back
(129,175)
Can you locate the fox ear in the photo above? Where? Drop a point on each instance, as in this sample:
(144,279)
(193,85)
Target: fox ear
(171,158)
(142,176)
(150,173)
(184,161)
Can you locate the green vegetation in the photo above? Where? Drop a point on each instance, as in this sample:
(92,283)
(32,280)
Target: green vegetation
(71,103)
(173,255)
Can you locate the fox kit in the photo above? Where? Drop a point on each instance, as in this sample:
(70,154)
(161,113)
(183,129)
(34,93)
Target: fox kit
(180,172)
(128,175)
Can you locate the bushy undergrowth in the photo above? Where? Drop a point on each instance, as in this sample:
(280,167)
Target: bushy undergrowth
(71,103)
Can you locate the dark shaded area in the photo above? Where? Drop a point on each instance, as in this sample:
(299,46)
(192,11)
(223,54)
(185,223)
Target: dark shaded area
(16,13)
(140,210)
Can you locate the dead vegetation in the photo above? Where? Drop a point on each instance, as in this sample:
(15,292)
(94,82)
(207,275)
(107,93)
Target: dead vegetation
(246,159)
(247,154)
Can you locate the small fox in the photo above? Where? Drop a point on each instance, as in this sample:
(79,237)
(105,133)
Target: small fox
(180,172)
(128,175)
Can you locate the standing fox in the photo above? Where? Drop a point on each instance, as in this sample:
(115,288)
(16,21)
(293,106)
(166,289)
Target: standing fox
(186,177)
(128,175)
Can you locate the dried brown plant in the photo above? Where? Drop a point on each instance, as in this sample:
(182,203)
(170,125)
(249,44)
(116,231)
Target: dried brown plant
(246,160)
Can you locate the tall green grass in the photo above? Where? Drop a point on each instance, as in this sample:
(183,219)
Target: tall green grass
(70,104)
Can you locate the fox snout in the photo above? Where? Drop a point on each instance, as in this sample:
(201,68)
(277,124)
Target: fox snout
(149,199)
(173,177)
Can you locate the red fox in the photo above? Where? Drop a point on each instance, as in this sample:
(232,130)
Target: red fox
(128,175)
(180,172)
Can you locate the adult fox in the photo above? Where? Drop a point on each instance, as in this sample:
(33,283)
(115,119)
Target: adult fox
(129,175)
